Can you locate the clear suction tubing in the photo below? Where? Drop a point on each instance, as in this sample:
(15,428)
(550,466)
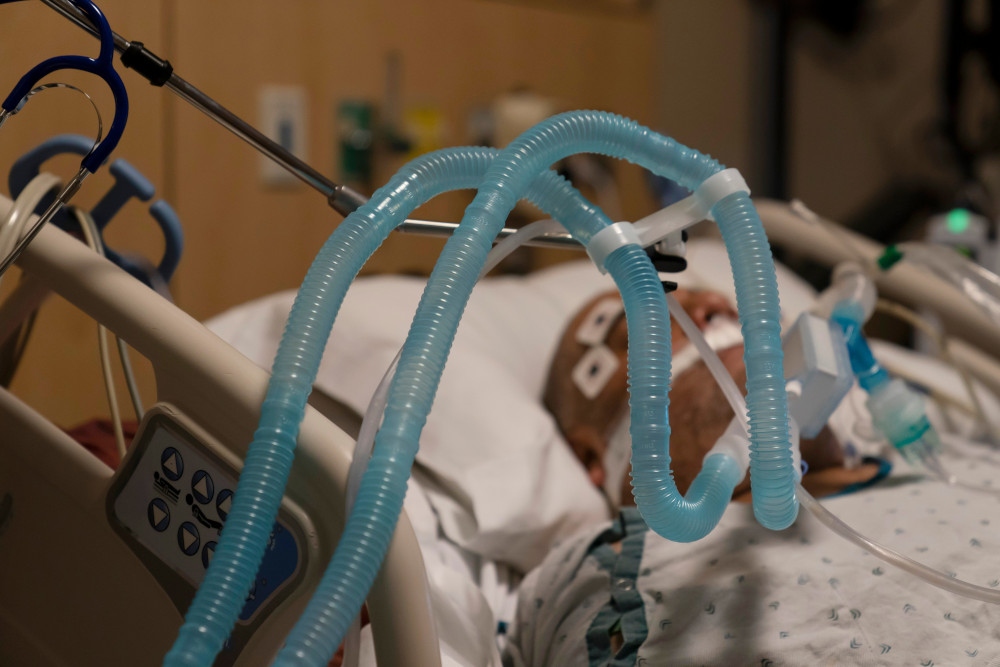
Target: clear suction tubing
(508,176)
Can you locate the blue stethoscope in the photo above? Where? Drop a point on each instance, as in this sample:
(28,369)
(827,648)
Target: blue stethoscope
(102,67)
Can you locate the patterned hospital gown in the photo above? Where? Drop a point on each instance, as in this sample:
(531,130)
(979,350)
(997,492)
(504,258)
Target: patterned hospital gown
(804,596)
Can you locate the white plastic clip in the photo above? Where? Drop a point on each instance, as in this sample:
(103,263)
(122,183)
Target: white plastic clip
(718,186)
(692,209)
(609,239)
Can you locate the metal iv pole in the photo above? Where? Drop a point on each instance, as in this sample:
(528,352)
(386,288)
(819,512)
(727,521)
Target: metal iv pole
(341,198)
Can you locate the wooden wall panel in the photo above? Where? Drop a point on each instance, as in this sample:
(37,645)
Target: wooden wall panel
(248,239)
(864,115)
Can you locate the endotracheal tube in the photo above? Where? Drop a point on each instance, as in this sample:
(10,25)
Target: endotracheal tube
(366,536)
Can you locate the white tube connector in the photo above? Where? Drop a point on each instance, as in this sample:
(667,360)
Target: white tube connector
(794,439)
(734,443)
(692,209)
(669,221)
(718,186)
(849,283)
(609,239)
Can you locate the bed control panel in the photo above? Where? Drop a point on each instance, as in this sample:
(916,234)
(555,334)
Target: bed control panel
(170,503)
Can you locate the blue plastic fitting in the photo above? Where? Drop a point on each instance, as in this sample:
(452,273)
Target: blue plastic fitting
(866,368)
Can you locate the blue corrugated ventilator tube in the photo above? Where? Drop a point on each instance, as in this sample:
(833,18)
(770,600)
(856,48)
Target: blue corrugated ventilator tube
(255,505)
(370,526)
(424,354)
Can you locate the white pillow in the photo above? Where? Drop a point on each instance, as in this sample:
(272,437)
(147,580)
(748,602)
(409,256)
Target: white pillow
(508,484)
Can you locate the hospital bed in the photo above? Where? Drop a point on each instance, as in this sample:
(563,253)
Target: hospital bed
(97,566)
(57,502)
(498,507)
(141,537)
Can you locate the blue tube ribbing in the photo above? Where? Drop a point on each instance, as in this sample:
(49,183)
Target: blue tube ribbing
(665,510)
(371,524)
(441,307)
(221,595)
(772,474)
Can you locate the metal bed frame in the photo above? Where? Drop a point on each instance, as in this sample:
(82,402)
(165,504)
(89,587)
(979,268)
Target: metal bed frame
(59,549)
(61,555)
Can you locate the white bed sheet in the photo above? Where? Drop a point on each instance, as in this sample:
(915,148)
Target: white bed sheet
(475,547)
(745,595)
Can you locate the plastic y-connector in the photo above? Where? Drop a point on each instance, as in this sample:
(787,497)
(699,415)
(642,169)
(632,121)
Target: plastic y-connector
(669,222)
(692,209)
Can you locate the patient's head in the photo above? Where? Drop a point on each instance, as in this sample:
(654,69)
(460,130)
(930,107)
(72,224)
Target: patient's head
(699,412)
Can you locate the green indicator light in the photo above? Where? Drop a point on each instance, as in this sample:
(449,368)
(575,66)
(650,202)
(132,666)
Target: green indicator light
(958,220)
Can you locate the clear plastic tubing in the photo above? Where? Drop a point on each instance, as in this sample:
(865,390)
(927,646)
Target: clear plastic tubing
(709,356)
(927,574)
(369,528)
(219,599)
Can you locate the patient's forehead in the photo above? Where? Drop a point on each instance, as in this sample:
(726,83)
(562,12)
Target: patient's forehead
(693,301)
(601,306)
(688,298)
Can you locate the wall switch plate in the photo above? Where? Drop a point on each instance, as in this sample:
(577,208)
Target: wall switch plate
(282,112)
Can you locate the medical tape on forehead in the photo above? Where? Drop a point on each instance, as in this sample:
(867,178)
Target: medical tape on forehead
(595,327)
(722,333)
(592,373)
